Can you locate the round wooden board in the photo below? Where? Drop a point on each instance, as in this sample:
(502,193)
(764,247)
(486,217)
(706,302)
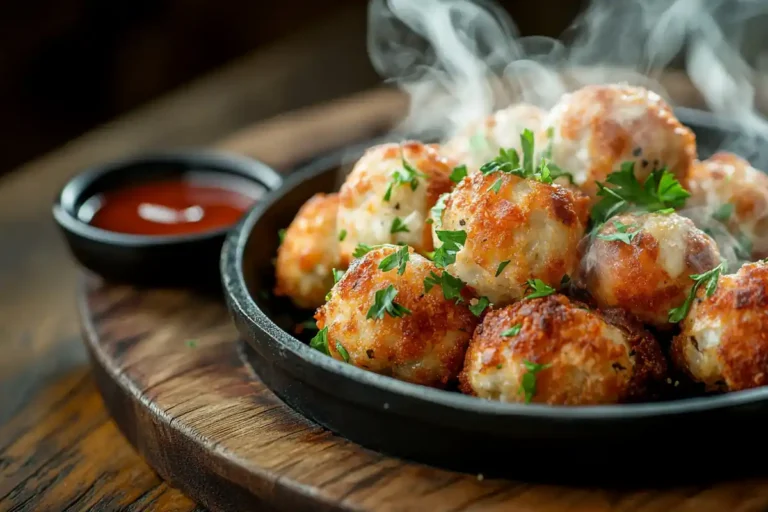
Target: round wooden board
(169,369)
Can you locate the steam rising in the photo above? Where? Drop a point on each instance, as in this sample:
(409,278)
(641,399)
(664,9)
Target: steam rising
(459,60)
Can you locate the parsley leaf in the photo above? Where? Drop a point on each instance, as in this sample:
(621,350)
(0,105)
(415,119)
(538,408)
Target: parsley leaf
(709,280)
(458,173)
(496,185)
(408,175)
(540,289)
(281,235)
(397,259)
(398,226)
(480,306)
(528,384)
(384,302)
(320,341)
(451,285)
(361,250)
(191,343)
(436,213)
(501,267)
(621,234)
(342,351)
(723,213)
(337,275)
(512,331)
(452,243)
(342,235)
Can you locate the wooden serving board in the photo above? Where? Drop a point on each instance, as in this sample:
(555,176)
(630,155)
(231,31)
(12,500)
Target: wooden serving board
(169,367)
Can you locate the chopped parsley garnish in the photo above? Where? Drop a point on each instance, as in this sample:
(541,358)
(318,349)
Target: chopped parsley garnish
(281,235)
(405,176)
(451,285)
(384,302)
(342,351)
(452,243)
(509,162)
(458,173)
(320,341)
(501,267)
(512,331)
(337,275)
(436,213)
(540,289)
(398,226)
(496,185)
(709,280)
(621,234)
(361,250)
(398,259)
(478,308)
(659,192)
(342,235)
(723,213)
(191,343)
(528,384)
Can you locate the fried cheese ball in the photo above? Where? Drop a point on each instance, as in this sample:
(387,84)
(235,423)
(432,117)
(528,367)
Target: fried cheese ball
(309,252)
(556,351)
(642,263)
(593,130)
(481,141)
(724,338)
(423,344)
(727,189)
(387,196)
(525,230)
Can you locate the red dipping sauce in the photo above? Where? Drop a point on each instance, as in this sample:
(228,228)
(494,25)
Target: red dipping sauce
(178,206)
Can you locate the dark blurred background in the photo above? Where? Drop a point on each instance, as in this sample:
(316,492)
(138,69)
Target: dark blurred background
(70,65)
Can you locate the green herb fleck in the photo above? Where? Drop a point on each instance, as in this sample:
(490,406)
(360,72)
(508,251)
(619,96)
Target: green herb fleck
(436,213)
(342,351)
(458,173)
(342,235)
(621,234)
(501,267)
(191,343)
(361,250)
(498,366)
(528,384)
(337,275)
(540,289)
(398,226)
(452,243)
(480,306)
(509,162)
(309,325)
(496,185)
(723,213)
(513,331)
(709,280)
(384,302)
(281,235)
(408,175)
(451,285)
(398,259)
(320,341)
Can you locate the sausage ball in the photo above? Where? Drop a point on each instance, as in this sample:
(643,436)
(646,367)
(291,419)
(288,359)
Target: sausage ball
(723,342)
(387,197)
(480,142)
(643,262)
(387,322)
(309,252)
(726,190)
(516,230)
(556,351)
(593,130)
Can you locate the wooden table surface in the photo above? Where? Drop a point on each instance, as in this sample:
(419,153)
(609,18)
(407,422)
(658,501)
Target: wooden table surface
(58,448)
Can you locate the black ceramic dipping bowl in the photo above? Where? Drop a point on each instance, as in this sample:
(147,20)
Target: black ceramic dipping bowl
(155,260)
(686,439)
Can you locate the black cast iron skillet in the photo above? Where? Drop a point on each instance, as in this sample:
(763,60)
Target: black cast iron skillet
(671,441)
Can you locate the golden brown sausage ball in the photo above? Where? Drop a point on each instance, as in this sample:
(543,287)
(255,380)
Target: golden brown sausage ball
(724,339)
(726,189)
(516,230)
(423,343)
(598,127)
(388,195)
(480,142)
(556,351)
(309,252)
(643,262)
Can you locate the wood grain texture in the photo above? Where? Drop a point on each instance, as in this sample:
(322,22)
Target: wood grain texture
(168,366)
